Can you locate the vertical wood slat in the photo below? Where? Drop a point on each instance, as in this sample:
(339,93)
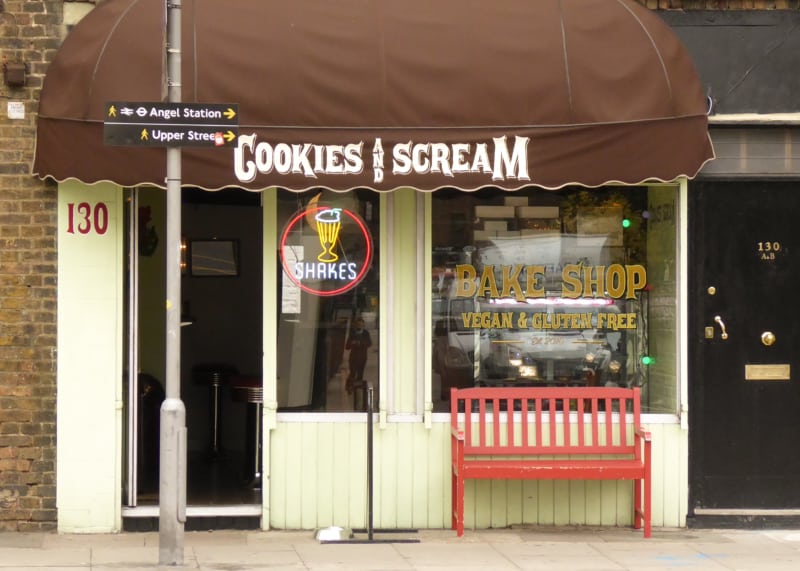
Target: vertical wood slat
(525,423)
(496,424)
(509,424)
(609,422)
(552,417)
(468,421)
(482,412)
(595,421)
(538,426)
(581,430)
(623,421)
(566,405)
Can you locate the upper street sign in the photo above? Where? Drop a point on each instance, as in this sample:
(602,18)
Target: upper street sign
(163,124)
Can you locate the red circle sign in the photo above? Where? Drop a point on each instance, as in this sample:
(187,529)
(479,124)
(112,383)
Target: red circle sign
(330,259)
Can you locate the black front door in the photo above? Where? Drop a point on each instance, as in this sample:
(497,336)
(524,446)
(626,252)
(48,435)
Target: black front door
(744,395)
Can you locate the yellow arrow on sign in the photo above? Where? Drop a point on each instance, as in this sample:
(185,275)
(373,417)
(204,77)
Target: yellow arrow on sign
(230,113)
(229,136)
(145,136)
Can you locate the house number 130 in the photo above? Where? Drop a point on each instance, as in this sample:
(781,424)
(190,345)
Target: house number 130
(85,217)
(769,246)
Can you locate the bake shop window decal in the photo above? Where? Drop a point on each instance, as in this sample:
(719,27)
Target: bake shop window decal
(326,250)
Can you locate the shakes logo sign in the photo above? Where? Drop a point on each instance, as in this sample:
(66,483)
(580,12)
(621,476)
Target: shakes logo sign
(326,250)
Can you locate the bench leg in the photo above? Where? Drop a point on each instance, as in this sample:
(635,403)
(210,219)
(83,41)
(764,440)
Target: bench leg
(637,504)
(642,505)
(458,503)
(453,501)
(647,506)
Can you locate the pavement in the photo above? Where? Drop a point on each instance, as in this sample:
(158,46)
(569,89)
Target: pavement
(532,548)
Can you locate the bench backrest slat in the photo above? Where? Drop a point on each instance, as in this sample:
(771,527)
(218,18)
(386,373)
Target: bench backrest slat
(546,420)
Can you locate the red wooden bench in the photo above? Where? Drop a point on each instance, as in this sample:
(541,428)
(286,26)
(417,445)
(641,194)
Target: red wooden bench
(538,433)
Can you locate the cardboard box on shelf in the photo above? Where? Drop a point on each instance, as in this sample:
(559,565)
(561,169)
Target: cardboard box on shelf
(515,200)
(539,232)
(540,224)
(495,225)
(537,212)
(494,211)
(483,235)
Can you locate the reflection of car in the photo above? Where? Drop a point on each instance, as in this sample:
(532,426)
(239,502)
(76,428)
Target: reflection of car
(453,347)
(528,348)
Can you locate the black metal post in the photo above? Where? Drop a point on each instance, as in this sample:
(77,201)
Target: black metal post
(369,462)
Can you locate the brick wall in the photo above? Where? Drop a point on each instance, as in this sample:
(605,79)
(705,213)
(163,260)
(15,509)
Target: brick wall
(29,33)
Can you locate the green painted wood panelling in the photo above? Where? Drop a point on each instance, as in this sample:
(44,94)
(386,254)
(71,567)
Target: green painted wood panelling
(91,269)
(401,340)
(319,479)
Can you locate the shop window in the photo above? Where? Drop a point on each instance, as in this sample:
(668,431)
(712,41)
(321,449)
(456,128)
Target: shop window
(571,288)
(328,327)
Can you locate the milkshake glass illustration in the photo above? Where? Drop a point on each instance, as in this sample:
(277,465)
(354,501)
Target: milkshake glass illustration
(329,223)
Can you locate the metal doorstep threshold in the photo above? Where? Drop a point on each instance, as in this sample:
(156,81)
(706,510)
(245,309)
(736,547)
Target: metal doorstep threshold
(744,518)
(747,512)
(238,510)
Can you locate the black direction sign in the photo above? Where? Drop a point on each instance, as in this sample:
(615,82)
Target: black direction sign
(168,124)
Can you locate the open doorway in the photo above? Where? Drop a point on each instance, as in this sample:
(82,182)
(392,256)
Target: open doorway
(221,347)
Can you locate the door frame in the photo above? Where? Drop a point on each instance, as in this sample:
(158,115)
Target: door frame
(700,517)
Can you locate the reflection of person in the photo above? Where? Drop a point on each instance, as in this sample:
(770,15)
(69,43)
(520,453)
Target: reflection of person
(358,343)
(337,334)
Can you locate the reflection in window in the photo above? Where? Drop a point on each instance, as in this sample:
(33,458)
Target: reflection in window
(570,288)
(328,329)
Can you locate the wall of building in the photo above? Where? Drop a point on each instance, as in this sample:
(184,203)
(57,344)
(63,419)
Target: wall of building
(89,397)
(317,479)
(31,32)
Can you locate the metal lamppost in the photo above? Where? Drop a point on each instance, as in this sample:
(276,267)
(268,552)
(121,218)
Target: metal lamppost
(172,472)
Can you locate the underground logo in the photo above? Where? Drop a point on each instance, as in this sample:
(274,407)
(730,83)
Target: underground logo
(326,250)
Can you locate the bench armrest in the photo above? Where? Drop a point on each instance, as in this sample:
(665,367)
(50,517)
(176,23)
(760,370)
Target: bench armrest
(457,433)
(643,434)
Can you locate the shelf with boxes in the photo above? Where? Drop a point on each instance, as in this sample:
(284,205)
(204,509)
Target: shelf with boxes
(515,218)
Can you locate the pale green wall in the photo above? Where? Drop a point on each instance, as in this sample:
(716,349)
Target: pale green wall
(400,338)
(315,464)
(89,385)
(318,478)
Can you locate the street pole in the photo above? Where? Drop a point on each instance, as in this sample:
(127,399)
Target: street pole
(172,471)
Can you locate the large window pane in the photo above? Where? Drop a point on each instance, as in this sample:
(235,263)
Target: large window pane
(573,288)
(328,329)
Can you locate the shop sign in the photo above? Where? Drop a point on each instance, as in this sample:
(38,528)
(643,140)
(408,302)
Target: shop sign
(326,250)
(499,159)
(585,290)
(527,281)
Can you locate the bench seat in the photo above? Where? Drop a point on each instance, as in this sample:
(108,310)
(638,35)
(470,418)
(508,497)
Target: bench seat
(538,433)
(553,469)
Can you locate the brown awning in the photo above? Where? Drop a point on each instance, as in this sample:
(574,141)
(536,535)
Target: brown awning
(407,93)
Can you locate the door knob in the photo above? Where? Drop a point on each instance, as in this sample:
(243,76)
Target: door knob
(718,319)
(768,338)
